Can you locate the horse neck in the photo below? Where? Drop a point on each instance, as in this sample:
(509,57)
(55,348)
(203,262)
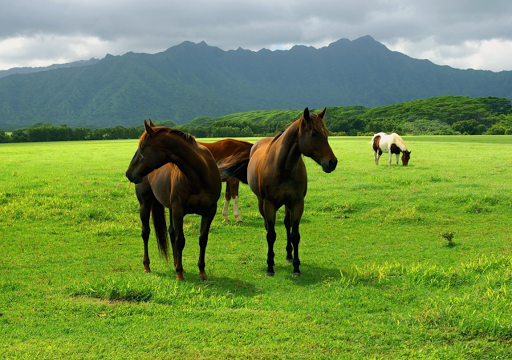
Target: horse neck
(187,158)
(286,148)
(400,143)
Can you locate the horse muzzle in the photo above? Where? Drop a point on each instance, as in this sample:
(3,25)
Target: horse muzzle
(330,165)
(133,178)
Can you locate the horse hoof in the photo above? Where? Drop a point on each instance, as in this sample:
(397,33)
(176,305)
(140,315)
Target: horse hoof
(289,261)
(147,271)
(269,273)
(239,221)
(296,274)
(203,276)
(180,277)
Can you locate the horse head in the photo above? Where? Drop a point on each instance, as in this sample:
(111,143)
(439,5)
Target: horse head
(313,140)
(149,155)
(406,155)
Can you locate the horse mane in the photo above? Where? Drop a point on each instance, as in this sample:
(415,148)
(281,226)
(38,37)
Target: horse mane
(187,137)
(278,136)
(315,123)
(400,142)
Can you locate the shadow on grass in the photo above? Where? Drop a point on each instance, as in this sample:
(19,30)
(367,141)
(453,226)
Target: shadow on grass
(221,284)
(311,274)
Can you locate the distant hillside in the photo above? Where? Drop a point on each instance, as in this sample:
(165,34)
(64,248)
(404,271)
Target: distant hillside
(192,80)
(443,115)
(29,70)
(438,115)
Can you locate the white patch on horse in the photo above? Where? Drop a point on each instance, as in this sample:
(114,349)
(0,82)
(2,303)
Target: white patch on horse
(236,211)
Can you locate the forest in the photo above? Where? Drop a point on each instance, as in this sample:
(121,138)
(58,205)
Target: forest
(442,115)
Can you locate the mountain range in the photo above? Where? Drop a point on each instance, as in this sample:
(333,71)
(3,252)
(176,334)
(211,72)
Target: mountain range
(28,70)
(190,80)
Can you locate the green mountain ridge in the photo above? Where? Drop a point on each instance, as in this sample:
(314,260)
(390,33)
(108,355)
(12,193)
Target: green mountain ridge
(191,80)
(28,70)
(446,114)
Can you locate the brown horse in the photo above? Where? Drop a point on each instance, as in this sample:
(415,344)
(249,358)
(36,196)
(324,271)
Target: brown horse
(277,175)
(170,169)
(221,151)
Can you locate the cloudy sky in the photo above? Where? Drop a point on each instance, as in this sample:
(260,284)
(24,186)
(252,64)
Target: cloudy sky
(460,33)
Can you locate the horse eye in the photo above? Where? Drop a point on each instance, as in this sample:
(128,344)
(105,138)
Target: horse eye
(313,134)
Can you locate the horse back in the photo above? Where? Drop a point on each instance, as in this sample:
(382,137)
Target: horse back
(225,148)
(262,143)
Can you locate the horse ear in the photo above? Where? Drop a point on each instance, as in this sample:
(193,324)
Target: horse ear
(149,129)
(321,114)
(151,123)
(306,114)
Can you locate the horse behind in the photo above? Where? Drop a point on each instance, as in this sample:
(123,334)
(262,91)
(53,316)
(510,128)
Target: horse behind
(223,150)
(392,144)
(276,173)
(170,169)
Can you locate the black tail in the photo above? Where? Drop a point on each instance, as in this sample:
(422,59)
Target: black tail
(158,212)
(236,169)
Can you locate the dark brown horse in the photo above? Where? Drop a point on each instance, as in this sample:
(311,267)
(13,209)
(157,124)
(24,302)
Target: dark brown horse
(277,175)
(223,150)
(170,169)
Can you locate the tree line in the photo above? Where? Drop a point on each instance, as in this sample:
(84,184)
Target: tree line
(444,115)
(48,132)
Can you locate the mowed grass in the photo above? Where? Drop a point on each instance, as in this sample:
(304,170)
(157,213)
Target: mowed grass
(379,281)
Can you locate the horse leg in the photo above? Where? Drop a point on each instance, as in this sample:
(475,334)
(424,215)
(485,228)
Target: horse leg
(145,214)
(146,198)
(227,197)
(172,236)
(206,221)
(234,185)
(397,158)
(377,156)
(390,157)
(287,225)
(295,216)
(269,214)
(177,222)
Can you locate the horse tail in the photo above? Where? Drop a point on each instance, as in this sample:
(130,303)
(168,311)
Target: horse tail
(235,167)
(158,212)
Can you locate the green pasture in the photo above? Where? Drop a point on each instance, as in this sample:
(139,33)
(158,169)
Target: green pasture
(379,280)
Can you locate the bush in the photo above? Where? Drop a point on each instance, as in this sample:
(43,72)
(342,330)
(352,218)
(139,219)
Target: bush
(471,127)
(4,138)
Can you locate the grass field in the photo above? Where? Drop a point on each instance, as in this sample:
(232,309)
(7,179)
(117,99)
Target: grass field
(379,280)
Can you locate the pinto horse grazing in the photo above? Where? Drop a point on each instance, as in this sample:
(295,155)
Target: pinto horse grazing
(170,169)
(221,151)
(277,175)
(392,144)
